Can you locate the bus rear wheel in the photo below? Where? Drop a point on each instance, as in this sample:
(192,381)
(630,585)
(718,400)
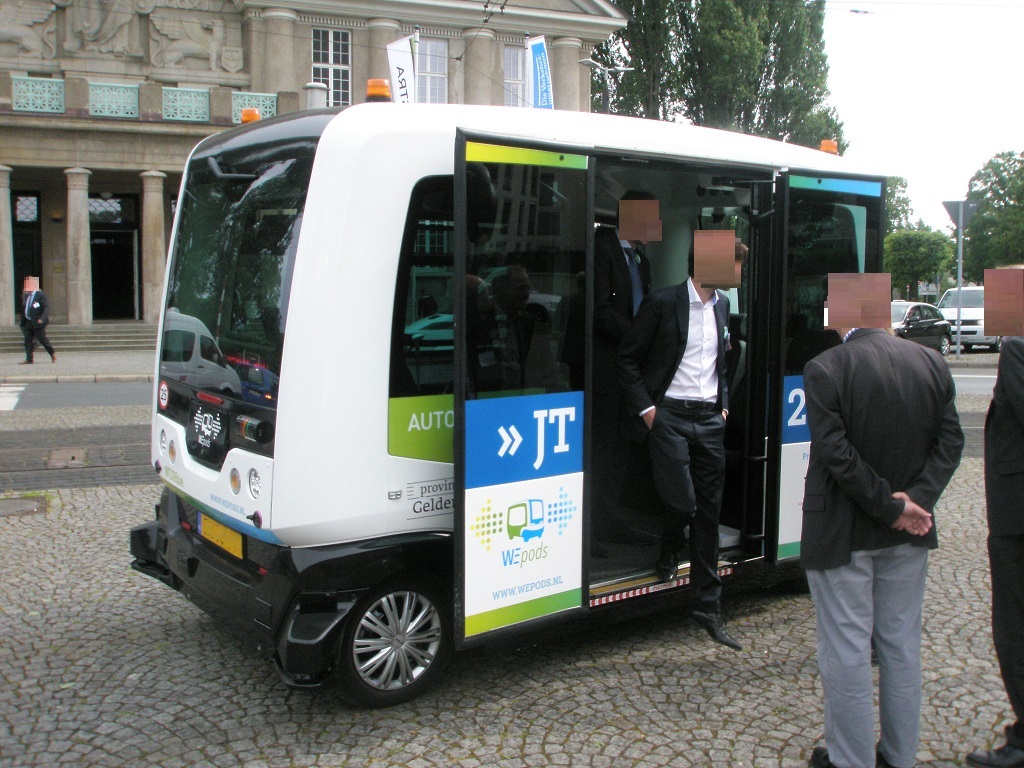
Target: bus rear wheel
(396,643)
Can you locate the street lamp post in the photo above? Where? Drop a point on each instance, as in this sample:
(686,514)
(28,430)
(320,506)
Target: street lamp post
(605,78)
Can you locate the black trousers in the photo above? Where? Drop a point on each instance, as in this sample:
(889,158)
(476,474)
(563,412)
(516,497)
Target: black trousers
(1006,560)
(32,334)
(688,456)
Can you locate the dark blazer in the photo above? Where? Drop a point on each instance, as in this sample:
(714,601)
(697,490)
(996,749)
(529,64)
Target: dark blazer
(38,315)
(653,347)
(613,304)
(1004,443)
(882,416)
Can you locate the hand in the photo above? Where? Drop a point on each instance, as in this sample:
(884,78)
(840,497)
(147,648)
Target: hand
(915,520)
(725,415)
(648,418)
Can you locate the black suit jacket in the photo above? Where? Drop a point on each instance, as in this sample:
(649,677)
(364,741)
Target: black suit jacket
(653,347)
(1004,443)
(38,314)
(883,419)
(613,304)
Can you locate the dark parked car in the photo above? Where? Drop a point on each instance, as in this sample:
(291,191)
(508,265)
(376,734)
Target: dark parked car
(922,323)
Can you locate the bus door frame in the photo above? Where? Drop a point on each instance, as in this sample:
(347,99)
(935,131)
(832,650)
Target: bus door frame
(580,599)
(786,402)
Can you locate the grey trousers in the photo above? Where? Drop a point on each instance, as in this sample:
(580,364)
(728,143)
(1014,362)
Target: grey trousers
(880,593)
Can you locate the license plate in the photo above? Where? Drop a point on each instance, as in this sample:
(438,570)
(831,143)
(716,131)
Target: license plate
(217,533)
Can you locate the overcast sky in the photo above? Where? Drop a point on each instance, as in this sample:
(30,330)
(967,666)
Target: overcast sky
(928,89)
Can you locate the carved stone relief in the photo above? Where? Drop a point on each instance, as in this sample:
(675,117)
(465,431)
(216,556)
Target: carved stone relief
(188,40)
(104,26)
(28,26)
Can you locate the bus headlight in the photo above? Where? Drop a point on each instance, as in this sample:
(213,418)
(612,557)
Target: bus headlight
(254,483)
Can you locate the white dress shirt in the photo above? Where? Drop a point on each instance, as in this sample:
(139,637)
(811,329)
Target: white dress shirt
(696,378)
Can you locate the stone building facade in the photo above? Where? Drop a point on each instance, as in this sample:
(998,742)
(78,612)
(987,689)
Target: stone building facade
(102,100)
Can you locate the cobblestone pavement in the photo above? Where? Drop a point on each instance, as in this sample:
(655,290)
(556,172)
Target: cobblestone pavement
(101,666)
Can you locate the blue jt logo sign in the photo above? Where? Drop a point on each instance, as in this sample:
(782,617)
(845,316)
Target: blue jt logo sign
(496,430)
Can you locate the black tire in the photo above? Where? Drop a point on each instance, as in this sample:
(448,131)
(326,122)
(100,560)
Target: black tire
(944,346)
(967,347)
(396,642)
(998,345)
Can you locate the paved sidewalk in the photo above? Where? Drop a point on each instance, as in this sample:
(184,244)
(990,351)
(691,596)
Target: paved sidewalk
(108,365)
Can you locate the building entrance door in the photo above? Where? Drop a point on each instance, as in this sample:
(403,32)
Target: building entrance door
(115,275)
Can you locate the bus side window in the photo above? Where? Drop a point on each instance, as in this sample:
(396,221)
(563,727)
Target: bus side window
(422,347)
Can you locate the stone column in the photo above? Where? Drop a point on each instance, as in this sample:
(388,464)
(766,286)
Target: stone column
(154,245)
(280,47)
(565,73)
(6,250)
(78,249)
(382,32)
(483,78)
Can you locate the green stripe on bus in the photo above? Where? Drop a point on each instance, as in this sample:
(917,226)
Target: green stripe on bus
(786,551)
(493,153)
(515,614)
(852,186)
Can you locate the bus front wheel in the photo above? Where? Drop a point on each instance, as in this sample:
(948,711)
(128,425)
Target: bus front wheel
(396,643)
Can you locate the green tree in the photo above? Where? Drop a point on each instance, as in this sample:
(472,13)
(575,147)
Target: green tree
(913,255)
(754,66)
(995,236)
(897,205)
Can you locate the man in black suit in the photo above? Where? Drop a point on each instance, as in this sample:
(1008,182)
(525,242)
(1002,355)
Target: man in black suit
(35,316)
(885,440)
(673,370)
(622,277)
(1004,488)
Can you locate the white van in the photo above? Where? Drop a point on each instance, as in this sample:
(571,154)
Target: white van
(189,354)
(419,281)
(972,317)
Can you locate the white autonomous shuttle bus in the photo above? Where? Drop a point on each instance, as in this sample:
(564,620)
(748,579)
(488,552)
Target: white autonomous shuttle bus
(417,281)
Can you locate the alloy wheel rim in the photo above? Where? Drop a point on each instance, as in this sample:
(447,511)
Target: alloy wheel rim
(397,640)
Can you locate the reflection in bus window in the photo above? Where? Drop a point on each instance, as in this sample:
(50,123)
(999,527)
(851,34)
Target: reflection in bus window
(825,235)
(231,269)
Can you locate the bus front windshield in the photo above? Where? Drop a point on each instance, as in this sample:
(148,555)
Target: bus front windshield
(227,297)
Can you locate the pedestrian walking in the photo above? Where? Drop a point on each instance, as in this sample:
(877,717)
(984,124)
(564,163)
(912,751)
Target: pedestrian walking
(35,316)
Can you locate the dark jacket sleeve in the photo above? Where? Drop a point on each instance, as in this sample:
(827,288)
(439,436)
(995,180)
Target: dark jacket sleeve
(843,464)
(944,457)
(633,351)
(608,319)
(43,318)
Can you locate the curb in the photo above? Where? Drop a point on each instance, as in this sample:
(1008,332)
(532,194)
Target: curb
(87,378)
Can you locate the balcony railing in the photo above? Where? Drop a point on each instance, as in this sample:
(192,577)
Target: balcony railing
(266,103)
(111,100)
(117,100)
(37,94)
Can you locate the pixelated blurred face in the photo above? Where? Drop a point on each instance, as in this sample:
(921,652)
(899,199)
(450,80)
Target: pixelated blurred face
(859,300)
(718,257)
(1004,302)
(640,221)
(31,284)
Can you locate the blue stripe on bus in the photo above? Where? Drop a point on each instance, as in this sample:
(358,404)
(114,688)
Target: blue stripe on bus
(853,186)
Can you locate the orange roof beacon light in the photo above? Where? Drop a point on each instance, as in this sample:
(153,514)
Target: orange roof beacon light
(378,89)
(829,145)
(250,115)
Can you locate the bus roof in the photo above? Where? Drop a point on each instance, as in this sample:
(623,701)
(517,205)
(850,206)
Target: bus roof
(587,131)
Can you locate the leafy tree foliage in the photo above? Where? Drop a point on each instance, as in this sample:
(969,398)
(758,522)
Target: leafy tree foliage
(995,237)
(755,66)
(897,205)
(913,255)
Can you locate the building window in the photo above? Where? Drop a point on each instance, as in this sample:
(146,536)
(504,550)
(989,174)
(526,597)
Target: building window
(432,71)
(332,65)
(26,209)
(515,76)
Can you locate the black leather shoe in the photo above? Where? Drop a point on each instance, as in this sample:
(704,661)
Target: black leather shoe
(819,758)
(712,622)
(666,565)
(1006,756)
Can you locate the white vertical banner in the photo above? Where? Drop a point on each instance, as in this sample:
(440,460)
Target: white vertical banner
(538,74)
(403,71)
